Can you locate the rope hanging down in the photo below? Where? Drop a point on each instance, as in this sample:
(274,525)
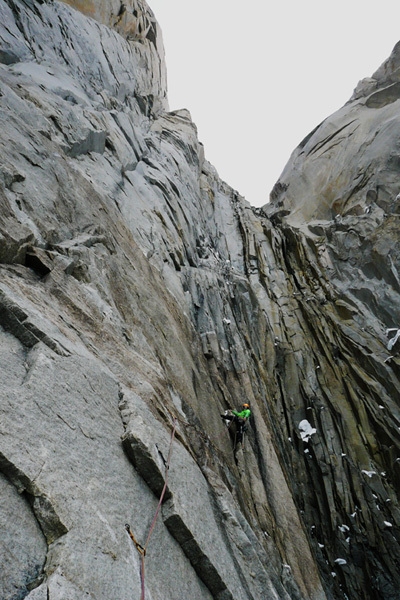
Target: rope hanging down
(143,549)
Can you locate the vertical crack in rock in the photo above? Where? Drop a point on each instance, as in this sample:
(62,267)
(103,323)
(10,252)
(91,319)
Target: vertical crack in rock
(189,505)
(136,284)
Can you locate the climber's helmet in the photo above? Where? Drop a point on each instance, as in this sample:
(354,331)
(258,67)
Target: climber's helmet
(246,406)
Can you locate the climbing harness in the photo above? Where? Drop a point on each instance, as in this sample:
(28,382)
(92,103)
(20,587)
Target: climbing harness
(239,430)
(143,549)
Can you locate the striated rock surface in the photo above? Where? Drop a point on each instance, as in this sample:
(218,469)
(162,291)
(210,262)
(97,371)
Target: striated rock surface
(140,297)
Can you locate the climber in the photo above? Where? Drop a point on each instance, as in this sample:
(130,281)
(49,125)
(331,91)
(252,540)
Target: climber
(240,418)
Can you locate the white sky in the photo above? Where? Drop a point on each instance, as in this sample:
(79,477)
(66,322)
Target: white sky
(257,76)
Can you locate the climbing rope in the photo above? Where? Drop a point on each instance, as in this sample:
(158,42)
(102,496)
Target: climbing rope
(143,549)
(195,427)
(204,436)
(243,430)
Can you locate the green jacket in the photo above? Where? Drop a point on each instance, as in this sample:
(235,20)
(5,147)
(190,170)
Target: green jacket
(243,414)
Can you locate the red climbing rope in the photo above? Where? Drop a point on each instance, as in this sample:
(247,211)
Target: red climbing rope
(143,549)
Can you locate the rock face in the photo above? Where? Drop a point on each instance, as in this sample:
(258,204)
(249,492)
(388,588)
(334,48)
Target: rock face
(140,297)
